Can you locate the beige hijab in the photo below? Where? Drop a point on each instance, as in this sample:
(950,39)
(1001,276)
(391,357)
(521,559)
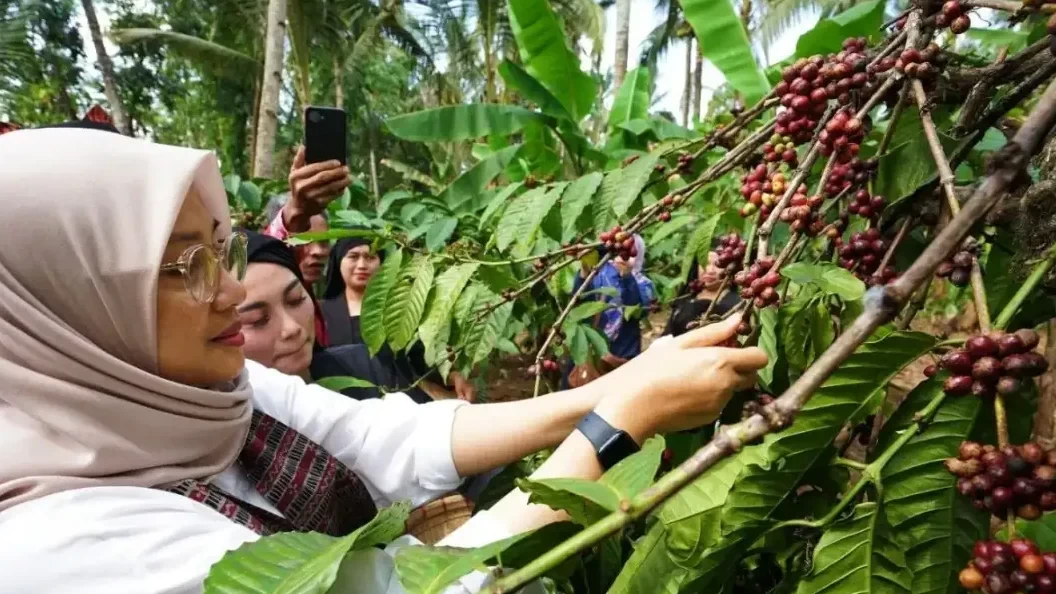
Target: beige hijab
(84,219)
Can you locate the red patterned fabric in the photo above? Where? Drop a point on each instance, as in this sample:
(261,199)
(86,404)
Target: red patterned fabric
(6,127)
(313,490)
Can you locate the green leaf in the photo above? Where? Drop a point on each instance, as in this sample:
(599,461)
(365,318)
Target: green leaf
(498,202)
(635,473)
(391,198)
(437,323)
(796,331)
(220,59)
(532,90)
(372,318)
(859,555)
(524,215)
(621,187)
(598,343)
(409,172)
(405,303)
(862,20)
(822,331)
(470,184)
(439,232)
(575,200)
(337,383)
(935,525)
(250,196)
(578,346)
(830,278)
(660,128)
(724,42)
(585,501)
(480,339)
(847,396)
(299,562)
(460,122)
(768,332)
(585,310)
(429,570)
(996,39)
(700,243)
(539,212)
(650,569)
(632,99)
(546,56)
(1042,531)
(231,183)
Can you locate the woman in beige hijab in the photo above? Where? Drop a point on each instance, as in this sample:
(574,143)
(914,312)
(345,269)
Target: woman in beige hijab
(137,445)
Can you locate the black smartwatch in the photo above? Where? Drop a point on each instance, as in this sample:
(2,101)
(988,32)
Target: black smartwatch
(611,444)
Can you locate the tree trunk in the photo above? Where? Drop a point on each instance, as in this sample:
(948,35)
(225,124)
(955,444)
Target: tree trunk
(106,67)
(623,32)
(268,115)
(698,73)
(339,81)
(686,93)
(373,172)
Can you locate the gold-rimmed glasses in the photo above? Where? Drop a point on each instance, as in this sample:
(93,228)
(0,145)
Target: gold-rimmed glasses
(200,266)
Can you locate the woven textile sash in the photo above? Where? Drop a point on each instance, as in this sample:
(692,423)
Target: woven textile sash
(313,490)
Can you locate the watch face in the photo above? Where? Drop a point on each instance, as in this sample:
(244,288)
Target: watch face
(616,448)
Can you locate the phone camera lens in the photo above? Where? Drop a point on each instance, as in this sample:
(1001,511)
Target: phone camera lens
(315,117)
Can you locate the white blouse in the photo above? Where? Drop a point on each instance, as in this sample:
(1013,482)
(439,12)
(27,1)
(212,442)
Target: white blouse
(130,540)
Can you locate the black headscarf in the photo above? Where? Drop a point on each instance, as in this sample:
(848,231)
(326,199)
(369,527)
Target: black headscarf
(264,249)
(335,284)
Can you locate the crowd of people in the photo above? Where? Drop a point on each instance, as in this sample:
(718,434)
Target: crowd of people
(158,410)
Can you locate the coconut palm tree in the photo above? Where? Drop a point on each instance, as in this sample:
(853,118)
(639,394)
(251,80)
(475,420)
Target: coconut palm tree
(106,68)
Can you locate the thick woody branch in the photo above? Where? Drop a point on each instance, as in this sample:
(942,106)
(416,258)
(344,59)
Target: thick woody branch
(882,303)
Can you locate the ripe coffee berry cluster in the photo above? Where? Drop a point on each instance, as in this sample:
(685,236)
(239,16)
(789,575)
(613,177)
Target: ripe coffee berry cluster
(685,162)
(763,189)
(924,65)
(665,208)
(780,148)
(801,213)
(730,251)
(1019,478)
(953,16)
(619,241)
(759,282)
(993,362)
(841,136)
(1004,568)
(863,254)
(850,174)
(866,206)
(959,267)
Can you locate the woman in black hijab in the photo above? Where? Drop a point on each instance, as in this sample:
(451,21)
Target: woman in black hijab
(280,323)
(352,263)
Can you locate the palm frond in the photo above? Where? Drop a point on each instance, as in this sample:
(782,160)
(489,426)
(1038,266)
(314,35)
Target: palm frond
(219,59)
(778,16)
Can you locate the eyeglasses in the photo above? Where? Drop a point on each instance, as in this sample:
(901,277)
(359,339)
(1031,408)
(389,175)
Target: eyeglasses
(200,266)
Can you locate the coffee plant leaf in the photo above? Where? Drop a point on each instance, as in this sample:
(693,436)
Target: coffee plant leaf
(429,570)
(773,377)
(372,319)
(337,383)
(574,204)
(828,277)
(517,220)
(599,344)
(859,555)
(406,301)
(862,20)
(631,182)
(437,322)
(650,568)
(935,525)
(700,243)
(585,310)
(847,396)
(634,474)
(482,333)
(585,501)
(497,278)
(299,562)
(535,215)
(796,330)
(578,345)
(676,224)
(822,331)
(498,203)
(1042,531)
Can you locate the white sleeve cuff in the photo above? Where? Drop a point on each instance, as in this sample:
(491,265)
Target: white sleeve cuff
(434,459)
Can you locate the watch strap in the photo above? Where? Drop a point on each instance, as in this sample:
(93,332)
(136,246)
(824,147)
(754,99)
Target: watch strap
(611,444)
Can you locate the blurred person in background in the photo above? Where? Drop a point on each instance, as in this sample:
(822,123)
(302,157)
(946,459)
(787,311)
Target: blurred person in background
(698,292)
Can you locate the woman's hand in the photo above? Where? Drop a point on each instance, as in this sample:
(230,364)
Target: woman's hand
(313,187)
(679,383)
(624,267)
(464,388)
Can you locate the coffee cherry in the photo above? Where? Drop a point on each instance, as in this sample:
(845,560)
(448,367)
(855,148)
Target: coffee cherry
(957,361)
(960,24)
(958,385)
(980,346)
(971,579)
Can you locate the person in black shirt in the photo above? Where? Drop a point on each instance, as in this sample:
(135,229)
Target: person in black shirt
(351,265)
(699,290)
